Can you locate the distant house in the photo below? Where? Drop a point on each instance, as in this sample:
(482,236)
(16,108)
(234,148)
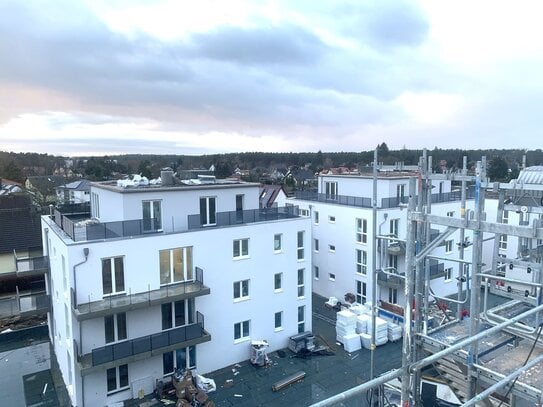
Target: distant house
(74,192)
(9,187)
(195,172)
(42,188)
(301,178)
(272,196)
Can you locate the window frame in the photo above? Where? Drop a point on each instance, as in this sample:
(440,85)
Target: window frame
(301,320)
(361,292)
(331,219)
(392,295)
(279,327)
(243,286)
(361,261)
(113,278)
(447,274)
(242,246)
(300,251)
(151,223)
(332,276)
(449,244)
(186,260)
(208,212)
(394,227)
(316,245)
(316,272)
(276,280)
(361,230)
(117,325)
(277,242)
(300,283)
(119,382)
(190,359)
(331,190)
(316,217)
(244,327)
(188,308)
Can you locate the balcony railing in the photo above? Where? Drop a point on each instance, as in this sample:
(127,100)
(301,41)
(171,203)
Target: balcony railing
(31,265)
(143,347)
(119,303)
(365,202)
(245,216)
(80,227)
(25,305)
(436,270)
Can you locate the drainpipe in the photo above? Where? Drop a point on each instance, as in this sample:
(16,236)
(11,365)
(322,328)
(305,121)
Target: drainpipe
(86,253)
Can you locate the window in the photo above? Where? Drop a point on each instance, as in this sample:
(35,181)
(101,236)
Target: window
(360,292)
(179,313)
(301,318)
(277,242)
(304,212)
(316,217)
(448,274)
(448,246)
(113,275)
(362,231)
(400,192)
(184,358)
(316,245)
(240,248)
(331,190)
(393,261)
(394,227)
(241,290)
(64,274)
(505,217)
(301,284)
(278,282)
(503,242)
(332,219)
(241,331)
(152,216)
(331,276)
(300,245)
(115,327)
(117,378)
(67,321)
(316,272)
(176,265)
(279,321)
(95,205)
(450,214)
(208,211)
(393,295)
(331,248)
(361,261)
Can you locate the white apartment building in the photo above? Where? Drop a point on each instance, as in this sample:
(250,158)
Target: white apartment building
(183,274)
(343,242)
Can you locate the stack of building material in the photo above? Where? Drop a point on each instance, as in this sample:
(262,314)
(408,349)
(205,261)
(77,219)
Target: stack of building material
(351,343)
(394,332)
(362,323)
(381,330)
(187,393)
(345,325)
(366,340)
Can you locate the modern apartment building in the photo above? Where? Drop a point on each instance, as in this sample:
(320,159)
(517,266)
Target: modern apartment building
(179,274)
(343,241)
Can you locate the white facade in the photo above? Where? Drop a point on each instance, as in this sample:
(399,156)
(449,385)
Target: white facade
(122,305)
(343,242)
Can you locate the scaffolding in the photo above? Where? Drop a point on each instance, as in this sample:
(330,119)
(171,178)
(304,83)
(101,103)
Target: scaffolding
(494,357)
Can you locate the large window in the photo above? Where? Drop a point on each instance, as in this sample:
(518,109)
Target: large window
(362,231)
(176,265)
(503,242)
(278,321)
(278,282)
(184,358)
(301,283)
(448,246)
(448,274)
(152,215)
(277,242)
(95,205)
(117,378)
(208,211)
(300,245)
(400,192)
(242,331)
(301,318)
(361,261)
(178,313)
(360,292)
(331,190)
(115,327)
(241,290)
(240,248)
(394,227)
(393,295)
(505,217)
(113,275)
(393,262)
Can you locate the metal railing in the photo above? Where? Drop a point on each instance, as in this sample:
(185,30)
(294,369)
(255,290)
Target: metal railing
(25,304)
(142,298)
(148,343)
(29,264)
(245,216)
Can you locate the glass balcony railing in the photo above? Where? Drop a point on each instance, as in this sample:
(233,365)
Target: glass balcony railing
(31,265)
(25,305)
(246,216)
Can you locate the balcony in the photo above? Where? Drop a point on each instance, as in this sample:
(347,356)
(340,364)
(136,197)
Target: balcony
(387,280)
(25,305)
(121,303)
(31,266)
(144,347)
(243,217)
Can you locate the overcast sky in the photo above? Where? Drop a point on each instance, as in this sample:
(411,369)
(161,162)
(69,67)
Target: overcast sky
(194,77)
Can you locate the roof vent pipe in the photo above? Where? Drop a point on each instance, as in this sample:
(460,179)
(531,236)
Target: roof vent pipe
(166,176)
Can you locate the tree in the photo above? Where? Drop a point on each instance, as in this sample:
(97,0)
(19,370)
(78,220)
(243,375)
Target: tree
(144,169)
(498,170)
(11,171)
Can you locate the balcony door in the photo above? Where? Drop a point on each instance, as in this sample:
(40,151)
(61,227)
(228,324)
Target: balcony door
(152,216)
(208,211)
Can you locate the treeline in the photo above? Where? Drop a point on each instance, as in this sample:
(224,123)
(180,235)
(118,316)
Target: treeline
(17,166)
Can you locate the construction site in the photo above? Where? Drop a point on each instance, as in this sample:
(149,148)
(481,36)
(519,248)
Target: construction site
(486,354)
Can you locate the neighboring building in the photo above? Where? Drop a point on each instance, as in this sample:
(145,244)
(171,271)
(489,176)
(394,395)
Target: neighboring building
(75,192)
(195,173)
(272,196)
(9,187)
(132,286)
(42,188)
(343,242)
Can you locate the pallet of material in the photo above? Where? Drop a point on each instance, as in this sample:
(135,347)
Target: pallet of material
(287,381)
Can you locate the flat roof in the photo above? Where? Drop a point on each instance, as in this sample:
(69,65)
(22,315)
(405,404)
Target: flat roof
(179,185)
(380,175)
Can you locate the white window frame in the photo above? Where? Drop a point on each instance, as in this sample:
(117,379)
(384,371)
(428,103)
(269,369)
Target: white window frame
(278,243)
(361,230)
(278,277)
(316,217)
(361,262)
(393,261)
(118,386)
(301,318)
(208,215)
(394,227)
(316,272)
(332,248)
(449,246)
(505,216)
(300,245)
(243,287)
(447,277)
(118,335)
(392,295)
(301,283)
(242,246)
(502,245)
(332,276)
(277,327)
(155,223)
(361,292)
(95,205)
(450,214)
(331,190)
(304,212)
(316,245)
(187,261)
(331,219)
(244,331)
(188,306)
(113,271)
(190,360)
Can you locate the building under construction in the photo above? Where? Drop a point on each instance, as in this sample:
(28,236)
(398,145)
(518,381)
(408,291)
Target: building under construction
(487,354)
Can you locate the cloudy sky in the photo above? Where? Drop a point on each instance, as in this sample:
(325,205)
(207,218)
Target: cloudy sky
(194,77)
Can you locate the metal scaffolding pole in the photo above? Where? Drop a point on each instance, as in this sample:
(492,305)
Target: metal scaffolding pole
(374,267)
(461,266)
